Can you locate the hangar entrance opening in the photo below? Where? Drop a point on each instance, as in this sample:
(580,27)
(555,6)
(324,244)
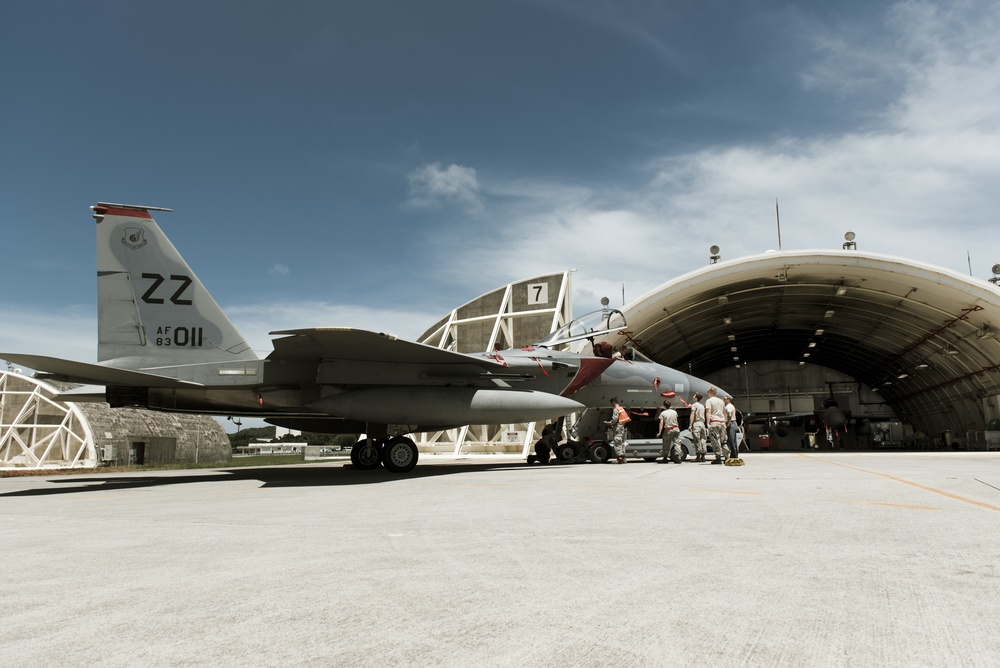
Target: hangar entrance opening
(908,352)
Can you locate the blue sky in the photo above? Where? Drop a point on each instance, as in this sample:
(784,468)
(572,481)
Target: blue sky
(374,164)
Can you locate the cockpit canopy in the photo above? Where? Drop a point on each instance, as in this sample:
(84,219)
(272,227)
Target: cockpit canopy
(591,325)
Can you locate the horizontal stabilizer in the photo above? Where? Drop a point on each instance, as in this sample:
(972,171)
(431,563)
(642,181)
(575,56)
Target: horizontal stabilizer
(360,345)
(84,393)
(93,374)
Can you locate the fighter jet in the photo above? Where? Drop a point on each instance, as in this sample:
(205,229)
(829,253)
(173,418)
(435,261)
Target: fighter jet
(165,344)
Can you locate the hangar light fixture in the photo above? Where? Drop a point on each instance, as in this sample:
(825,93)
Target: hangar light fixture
(903,375)
(849,243)
(723,300)
(805,354)
(728,320)
(819,332)
(841,290)
(922,365)
(714,257)
(829,314)
(731,337)
(801,363)
(950,350)
(732,349)
(996,274)
(812,344)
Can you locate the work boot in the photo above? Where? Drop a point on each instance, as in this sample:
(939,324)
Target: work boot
(716,461)
(621,460)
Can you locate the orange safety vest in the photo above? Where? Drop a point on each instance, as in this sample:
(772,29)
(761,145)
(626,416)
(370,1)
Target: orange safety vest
(623,417)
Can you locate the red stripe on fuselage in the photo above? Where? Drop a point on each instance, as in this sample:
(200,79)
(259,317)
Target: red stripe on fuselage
(590,368)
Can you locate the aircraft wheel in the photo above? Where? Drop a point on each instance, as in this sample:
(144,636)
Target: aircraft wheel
(366,454)
(678,453)
(599,452)
(565,452)
(400,455)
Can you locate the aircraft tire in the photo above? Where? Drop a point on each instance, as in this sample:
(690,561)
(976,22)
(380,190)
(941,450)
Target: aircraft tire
(565,452)
(400,455)
(599,452)
(365,457)
(678,454)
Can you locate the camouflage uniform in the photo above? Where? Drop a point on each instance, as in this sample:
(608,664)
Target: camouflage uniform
(698,429)
(669,431)
(619,443)
(716,413)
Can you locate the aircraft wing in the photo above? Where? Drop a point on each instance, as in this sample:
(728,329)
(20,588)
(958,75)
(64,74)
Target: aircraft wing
(70,371)
(359,345)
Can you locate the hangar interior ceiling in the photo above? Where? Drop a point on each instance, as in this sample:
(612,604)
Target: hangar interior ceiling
(924,337)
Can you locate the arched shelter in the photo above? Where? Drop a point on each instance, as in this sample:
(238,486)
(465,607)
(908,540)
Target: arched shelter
(922,336)
(40,431)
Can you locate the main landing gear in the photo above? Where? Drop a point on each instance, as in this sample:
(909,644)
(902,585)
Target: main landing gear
(397,454)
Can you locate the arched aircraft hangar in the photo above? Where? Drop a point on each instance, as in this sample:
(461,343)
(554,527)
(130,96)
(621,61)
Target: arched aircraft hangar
(793,329)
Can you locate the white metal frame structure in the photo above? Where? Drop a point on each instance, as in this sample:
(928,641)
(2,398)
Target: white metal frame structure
(534,303)
(37,432)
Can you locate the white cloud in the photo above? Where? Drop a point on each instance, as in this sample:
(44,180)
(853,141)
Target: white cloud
(918,180)
(69,332)
(919,183)
(280,270)
(254,321)
(72,333)
(432,186)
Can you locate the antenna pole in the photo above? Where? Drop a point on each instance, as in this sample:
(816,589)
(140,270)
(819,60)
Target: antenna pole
(968,255)
(777,219)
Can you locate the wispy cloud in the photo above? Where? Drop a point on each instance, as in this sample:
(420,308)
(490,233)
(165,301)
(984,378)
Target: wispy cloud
(919,182)
(69,332)
(254,321)
(432,185)
(279,270)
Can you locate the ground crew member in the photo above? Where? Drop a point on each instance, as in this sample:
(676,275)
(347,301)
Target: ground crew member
(619,419)
(696,424)
(715,413)
(545,445)
(669,430)
(731,427)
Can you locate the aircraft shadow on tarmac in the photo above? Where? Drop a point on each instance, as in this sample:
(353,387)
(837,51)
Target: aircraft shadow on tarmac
(278,476)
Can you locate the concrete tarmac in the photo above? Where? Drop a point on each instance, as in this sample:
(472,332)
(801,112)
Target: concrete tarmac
(824,559)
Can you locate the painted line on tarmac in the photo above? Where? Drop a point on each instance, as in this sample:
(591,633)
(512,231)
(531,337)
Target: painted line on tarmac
(891,505)
(987,484)
(907,482)
(726,491)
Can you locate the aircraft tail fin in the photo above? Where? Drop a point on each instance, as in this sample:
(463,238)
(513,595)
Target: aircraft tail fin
(152,309)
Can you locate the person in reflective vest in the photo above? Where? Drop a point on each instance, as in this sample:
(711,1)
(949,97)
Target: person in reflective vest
(619,420)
